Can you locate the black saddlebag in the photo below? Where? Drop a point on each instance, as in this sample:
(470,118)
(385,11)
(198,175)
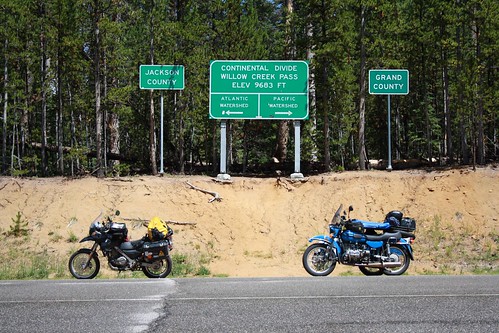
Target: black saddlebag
(406,224)
(354,226)
(156,250)
(118,231)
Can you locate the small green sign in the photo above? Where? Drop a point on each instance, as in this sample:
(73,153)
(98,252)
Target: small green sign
(389,82)
(258,89)
(162,77)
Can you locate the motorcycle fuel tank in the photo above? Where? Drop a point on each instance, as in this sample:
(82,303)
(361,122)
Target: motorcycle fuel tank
(353,237)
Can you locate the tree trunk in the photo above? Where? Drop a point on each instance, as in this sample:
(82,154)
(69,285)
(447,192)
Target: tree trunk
(152,133)
(97,78)
(104,111)
(181,150)
(113,126)
(44,60)
(326,129)
(74,142)
(362,101)
(281,149)
(25,112)
(312,95)
(214,155)
(59,127)
(480,149)
(229,144)
(5,106)
(425,108)
(460,99)
(448,151)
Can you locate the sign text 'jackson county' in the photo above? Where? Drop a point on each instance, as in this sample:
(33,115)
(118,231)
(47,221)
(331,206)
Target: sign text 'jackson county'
(162,77)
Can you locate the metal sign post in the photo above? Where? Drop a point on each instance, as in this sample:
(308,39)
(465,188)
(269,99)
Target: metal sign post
(297,174)
(389,167)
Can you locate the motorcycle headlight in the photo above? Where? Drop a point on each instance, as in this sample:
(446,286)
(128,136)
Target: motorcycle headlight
(94,228)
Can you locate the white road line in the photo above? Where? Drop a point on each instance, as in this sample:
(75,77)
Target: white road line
(323,297)
(154,298)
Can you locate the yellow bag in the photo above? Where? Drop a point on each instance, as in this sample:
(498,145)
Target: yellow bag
(157,229)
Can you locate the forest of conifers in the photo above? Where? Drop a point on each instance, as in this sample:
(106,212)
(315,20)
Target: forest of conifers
(71,102)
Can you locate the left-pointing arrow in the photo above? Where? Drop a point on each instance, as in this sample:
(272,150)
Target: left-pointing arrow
(234,112)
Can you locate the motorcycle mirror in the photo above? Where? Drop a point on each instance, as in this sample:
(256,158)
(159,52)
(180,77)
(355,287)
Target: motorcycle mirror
(350,209)
(117,213)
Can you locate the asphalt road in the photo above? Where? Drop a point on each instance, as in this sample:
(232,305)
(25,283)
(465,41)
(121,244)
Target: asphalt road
(81,306)
(330,304)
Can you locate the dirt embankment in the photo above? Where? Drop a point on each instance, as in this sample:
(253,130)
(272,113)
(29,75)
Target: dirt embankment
(260,227)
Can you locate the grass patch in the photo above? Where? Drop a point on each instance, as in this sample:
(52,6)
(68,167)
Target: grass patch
(184,265)
(349,272)
(258,254)
(456,247)
(55,237)
(32,266)
(72,238)
(39,266)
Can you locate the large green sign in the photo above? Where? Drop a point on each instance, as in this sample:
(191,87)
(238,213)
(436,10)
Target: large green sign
(258,89)
(389,82)
(161,77)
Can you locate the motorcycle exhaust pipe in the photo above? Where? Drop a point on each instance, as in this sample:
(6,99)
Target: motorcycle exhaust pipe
(383,265)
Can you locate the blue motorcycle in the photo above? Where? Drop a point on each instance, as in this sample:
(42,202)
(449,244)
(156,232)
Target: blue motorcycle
(376,248)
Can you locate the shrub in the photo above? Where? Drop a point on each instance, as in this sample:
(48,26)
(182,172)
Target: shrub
(19,228)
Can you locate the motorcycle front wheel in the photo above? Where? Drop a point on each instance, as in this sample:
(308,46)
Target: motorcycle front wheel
(317,261)
(158,269)
(398,253)
(83,267)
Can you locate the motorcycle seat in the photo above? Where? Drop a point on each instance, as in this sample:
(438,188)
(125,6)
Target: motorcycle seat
(374,225)
(133,245)
(385,236)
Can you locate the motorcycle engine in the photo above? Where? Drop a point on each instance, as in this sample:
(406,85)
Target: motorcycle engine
(116,260)
(356,253)
(119,262)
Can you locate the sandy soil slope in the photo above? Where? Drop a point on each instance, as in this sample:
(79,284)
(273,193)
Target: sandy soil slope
(260,227)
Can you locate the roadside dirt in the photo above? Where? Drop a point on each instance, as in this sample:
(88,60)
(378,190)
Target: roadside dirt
(260,227)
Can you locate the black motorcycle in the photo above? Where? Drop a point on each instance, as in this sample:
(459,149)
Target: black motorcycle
(152,257)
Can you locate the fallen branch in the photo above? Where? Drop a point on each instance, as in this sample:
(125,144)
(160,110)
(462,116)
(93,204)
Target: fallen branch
(181,223)
(145,222)
(280,183)
(215,195)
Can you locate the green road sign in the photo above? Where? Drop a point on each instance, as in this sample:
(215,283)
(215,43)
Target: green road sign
(389,82)
(161,77)
(258,89)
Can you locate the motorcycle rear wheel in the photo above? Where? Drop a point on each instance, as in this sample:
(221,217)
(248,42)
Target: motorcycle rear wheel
(159,269)
(316,261)
(398,253)
(78,261)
